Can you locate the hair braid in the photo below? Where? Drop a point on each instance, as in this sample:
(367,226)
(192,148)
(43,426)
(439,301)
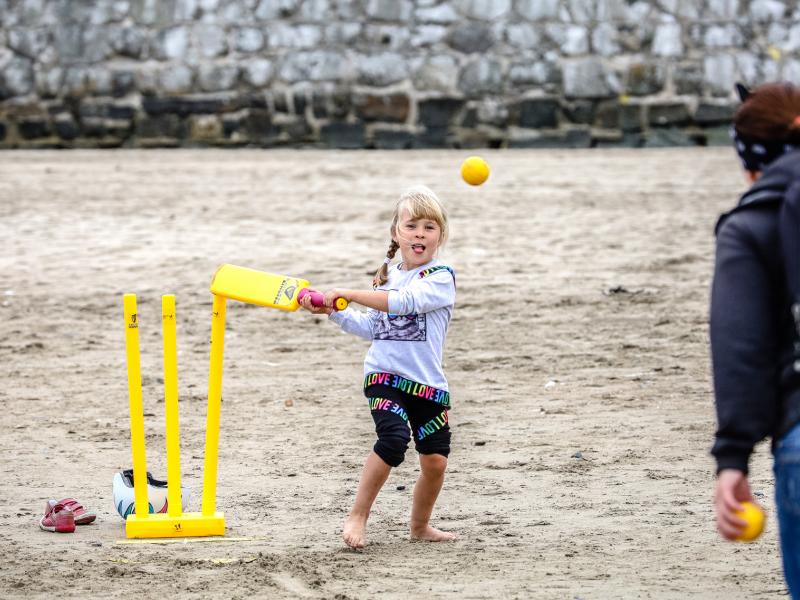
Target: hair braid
(382,275)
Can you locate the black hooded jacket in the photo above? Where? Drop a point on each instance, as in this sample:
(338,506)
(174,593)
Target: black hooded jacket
(756,387)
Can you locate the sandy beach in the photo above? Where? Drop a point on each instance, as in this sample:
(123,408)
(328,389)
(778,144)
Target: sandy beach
(577,358)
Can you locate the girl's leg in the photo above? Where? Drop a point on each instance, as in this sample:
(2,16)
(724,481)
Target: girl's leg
(426,490)
(391,426)
(373,476)
(430,425)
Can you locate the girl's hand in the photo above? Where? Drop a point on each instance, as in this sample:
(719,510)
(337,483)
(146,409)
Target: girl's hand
(317,310)
(331,296)
(732,489)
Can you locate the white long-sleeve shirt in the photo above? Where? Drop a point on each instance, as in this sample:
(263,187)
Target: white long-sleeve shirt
(409,339)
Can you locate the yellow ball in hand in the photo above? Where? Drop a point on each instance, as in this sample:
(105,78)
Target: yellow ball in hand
(755,518)
(474,170)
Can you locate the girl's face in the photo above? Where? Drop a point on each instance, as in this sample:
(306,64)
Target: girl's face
(418,240)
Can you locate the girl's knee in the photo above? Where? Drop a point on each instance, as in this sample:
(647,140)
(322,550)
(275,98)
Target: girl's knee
(392,448)
(393,435)
(433,464)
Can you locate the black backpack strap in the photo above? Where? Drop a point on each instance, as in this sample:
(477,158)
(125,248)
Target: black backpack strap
(789,226)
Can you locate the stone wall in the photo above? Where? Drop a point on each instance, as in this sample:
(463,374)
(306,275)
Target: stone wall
(384,73)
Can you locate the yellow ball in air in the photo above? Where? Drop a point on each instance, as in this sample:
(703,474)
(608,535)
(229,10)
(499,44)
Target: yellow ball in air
(474,170)
(755,518)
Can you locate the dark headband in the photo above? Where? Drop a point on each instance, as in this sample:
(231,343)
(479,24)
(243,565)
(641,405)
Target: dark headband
(757,154)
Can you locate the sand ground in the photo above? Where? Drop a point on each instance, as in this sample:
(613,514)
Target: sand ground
(577,356)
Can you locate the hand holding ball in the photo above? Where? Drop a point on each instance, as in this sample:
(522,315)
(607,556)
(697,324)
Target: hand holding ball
(474,170)
(755,518)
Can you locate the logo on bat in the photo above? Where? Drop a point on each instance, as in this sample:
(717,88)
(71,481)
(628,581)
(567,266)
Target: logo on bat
(287,288)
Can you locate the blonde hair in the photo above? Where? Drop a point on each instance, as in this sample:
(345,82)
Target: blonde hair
(421,203)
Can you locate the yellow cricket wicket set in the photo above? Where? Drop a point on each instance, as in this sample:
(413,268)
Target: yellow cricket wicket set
(175,523)
(230,281)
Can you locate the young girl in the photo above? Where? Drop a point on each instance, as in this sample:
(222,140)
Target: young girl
(754,337)
(408,314)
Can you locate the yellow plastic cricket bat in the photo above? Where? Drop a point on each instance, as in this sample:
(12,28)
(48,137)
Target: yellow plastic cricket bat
(266,289)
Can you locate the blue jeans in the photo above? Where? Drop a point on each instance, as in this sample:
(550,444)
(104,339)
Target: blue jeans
(787,500)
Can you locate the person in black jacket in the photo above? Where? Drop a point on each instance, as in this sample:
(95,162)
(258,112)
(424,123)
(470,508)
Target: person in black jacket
(754,335)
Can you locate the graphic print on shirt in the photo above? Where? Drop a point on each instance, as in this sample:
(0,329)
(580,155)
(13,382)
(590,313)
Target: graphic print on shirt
(400,328)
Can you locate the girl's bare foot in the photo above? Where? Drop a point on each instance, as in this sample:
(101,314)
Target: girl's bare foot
(431,534)
(354,530)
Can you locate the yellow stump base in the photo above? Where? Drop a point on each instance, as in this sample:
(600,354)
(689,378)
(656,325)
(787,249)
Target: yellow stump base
(166,526)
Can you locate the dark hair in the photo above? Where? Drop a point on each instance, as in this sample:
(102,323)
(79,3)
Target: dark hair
(769,113)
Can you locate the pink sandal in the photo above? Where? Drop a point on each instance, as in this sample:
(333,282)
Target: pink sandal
(82,516)
(57,518)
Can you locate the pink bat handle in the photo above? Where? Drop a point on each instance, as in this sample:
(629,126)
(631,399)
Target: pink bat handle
(318,299)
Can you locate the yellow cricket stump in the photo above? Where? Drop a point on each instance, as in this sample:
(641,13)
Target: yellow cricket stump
(171,405)
(214,404)
(135,403)
(175,523)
